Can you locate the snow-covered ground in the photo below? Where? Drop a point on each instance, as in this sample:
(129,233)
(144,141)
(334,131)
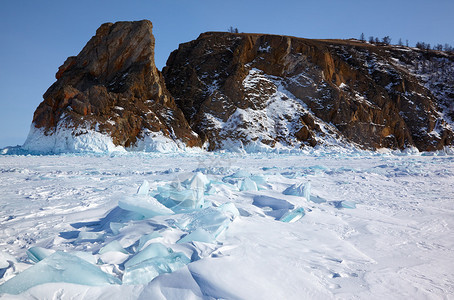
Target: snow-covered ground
(396,244)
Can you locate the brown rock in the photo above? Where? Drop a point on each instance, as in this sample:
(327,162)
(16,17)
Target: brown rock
(113,85)
(345,90)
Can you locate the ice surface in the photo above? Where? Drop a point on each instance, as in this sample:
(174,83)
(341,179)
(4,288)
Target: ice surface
(144,188)
(151,251)
(147,237)
(259,179)
(199,235)
(241,174)
(189,195)
(212,220)
(113,246)
(115,227)
(112,258)
(386,260)
(86,256)
(248,185)
(344,204)
(36,254)
(58,267)
(147,270)
(89,236)
(300,189)
(199,181)
(229,209)
(145,205)
(293,215)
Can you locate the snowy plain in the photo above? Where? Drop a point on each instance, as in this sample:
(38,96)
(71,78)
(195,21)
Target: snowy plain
(397,243)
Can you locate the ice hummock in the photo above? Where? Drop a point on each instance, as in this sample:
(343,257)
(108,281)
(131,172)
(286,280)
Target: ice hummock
(144,188)
(198,235)
(343,204)
(299,189)
(58,267)
(146,270)
(36,254)
(248,185)
(186,195)
(145,205)
(151,251)
(293,215)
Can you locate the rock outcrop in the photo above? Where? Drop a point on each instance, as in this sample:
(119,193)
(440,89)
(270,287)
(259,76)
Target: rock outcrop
(111,89)
(266,90)
(245,91)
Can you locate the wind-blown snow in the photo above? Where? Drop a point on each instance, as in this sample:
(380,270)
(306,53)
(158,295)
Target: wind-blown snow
(244,242)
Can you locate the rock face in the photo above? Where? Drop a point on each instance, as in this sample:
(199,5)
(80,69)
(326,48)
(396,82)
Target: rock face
(253,90)
(113,88)
(244,91)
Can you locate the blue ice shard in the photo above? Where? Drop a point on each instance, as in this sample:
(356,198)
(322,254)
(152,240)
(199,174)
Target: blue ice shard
(301,189)
(229,209)
(198,235)
(58,267)
(248,185)
(147,270)
(147,237)
(152,251)
(144,188)
(89,236)
(198,182)
(293,215)
(113,246)
(145,205)
(36,254)
(344,204)
(212,220)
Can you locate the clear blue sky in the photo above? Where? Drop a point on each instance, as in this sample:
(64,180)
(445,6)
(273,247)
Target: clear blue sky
(37,36)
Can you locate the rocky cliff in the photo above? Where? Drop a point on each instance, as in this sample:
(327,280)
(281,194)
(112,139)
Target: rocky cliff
(111,94)
(245,91)
(253,90)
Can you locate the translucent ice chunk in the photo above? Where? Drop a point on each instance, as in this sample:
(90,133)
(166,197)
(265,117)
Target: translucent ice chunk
(241,174)
(115,227)
(211,190)
(113,258)
(293,215)
(348,204)
(145,205)
(58,267)
(259,179)
(344,204)
(210,219)
(86,256)
(179,197)
(144,188)
(229,209)
(113,246)
(199,181)
(89,236)
(199,235)
(152,251)
(248,185)
(301,189)
(147,270)
(147,237)
(37,253)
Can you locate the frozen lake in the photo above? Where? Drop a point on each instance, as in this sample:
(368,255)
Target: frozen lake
(397,243)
